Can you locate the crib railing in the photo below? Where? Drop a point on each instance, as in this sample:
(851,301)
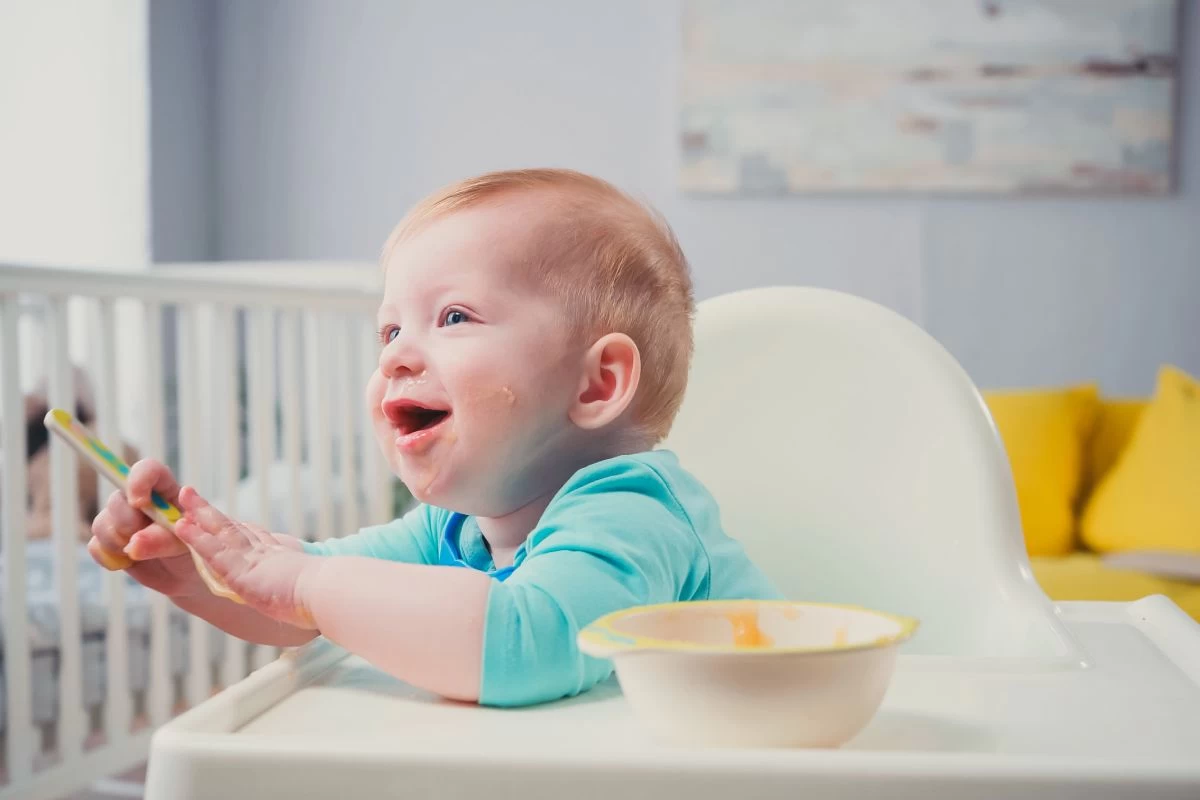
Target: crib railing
(250,386)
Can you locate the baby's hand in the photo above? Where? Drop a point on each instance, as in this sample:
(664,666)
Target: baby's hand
(124,538)
(257,566)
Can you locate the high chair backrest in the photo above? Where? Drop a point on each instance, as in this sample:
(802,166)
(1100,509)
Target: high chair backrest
(857,463)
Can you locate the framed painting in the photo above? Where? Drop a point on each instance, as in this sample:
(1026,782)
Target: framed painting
(995,96)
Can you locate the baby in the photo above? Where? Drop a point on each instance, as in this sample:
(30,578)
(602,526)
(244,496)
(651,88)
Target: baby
(535,335)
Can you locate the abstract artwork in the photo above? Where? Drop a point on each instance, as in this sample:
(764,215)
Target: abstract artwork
(1018,96)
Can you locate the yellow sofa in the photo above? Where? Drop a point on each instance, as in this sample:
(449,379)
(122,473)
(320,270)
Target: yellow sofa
(1087,468)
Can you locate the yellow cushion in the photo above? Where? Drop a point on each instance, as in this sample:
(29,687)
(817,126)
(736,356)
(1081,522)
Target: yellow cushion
(1083,576)
(1114,426)
(1150,499)
(1045,433)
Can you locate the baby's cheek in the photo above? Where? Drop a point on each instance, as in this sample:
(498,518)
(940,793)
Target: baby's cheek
(489,398)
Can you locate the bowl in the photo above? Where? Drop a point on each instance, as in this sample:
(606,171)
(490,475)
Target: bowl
(749,673)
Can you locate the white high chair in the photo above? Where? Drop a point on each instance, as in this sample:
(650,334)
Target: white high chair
(857,462)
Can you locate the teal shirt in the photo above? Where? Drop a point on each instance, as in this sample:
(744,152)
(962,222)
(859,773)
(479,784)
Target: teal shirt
(627,531)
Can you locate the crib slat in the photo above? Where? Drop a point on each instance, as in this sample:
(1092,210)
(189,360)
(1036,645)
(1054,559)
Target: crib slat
(192,471)
(31,333)
(261,379)
(227,441)
(117,705)
(65,519)
(261,419)
(319,451)
(377,475)
(19,719)
(348,412)
(290,390)
(161,689)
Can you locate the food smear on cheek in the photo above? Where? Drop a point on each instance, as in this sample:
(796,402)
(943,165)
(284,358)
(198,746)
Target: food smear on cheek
(487,398)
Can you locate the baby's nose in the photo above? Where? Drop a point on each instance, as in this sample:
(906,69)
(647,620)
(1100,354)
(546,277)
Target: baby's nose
(401,357)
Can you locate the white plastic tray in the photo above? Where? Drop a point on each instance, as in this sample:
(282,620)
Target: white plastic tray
(320,723)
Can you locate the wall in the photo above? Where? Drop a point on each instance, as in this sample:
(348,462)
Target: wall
(73,135)
(74,171)
(182,146)
(332,118)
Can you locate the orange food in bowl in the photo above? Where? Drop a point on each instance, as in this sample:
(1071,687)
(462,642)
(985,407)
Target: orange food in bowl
(746,632)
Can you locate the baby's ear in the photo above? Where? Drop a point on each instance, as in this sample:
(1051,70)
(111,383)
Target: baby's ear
(612,370)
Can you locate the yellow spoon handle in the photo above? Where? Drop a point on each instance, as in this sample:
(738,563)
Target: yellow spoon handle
(108,464)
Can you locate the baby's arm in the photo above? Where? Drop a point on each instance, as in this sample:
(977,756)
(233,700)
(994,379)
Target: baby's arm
(456,631)
(461,634)
(406,540)
(422,624)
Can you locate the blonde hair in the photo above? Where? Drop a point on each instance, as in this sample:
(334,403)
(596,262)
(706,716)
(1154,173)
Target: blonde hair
(613,261)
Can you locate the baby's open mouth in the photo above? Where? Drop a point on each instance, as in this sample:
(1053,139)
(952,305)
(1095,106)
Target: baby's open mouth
(409,418)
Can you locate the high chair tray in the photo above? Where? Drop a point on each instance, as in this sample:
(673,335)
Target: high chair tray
(321,723)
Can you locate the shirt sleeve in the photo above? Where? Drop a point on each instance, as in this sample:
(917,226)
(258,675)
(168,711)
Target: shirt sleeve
(412,539)
(622,540)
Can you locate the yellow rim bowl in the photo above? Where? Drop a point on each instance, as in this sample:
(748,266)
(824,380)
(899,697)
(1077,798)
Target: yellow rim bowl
(746,673)
(744,627)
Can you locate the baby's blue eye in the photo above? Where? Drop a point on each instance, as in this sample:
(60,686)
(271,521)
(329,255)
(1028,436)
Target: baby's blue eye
(387,333)
(454,317)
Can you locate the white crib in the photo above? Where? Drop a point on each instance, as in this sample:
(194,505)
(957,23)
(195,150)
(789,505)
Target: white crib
(248,380)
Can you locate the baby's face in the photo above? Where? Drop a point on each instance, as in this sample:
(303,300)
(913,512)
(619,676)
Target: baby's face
(476,377)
